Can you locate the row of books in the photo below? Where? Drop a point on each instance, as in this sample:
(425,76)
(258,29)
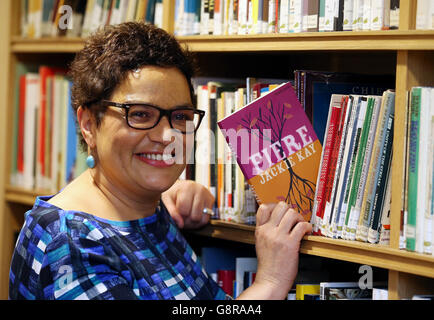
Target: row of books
(352,199)
(338,291)
(79,18)
(215,165)
(46,153)
(418,200)
(233,269)
(252,105)
(346,291)
(230,17)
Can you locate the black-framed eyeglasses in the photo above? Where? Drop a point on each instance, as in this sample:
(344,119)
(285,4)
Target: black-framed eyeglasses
(143,116)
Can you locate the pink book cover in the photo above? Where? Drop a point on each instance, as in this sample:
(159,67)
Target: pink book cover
(276,148)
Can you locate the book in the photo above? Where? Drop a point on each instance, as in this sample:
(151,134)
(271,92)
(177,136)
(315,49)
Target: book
(321,194)
(303,289)
(415,106)
(387,111)
(346,291)
(242,265)
(368,145)
(276,149)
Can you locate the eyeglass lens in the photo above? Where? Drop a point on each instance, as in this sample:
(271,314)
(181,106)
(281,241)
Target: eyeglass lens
(142,117)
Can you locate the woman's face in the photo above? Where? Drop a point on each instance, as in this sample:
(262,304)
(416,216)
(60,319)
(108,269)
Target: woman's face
(133,159)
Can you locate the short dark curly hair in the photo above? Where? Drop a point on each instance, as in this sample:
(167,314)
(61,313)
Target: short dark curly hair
(113,51)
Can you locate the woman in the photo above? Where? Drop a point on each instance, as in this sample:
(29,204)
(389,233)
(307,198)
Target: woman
(111,233)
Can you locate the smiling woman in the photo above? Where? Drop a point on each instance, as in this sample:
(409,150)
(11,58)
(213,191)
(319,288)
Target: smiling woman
(112,233)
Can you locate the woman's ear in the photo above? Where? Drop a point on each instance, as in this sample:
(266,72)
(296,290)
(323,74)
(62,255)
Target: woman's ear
(87,124)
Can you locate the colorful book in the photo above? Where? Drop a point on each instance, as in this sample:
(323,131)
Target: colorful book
(415,104)
(326,172)
(276,149)
(386,112)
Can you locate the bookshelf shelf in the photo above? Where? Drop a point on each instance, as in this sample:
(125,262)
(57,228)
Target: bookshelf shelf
(373,40)
(352,251)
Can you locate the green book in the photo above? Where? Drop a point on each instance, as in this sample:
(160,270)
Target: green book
(359,160)
(413,168)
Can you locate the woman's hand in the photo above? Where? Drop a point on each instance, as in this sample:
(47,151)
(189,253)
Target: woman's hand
(185,201)
(279,231)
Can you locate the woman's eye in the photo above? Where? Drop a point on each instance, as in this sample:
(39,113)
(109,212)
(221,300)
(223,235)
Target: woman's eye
(182,116)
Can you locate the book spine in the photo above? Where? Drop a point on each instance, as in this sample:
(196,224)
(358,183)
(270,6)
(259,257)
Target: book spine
(343,157)
(428,232)
(365,167)
(284,16)
(364,128)
(384,172)
(321,16)
(385,215)
(312,16)
(358,129)
(336,100)
(422,218)
(325,163)
(366,210)
(339,155)
(296,7)
(347,24)
(413,168)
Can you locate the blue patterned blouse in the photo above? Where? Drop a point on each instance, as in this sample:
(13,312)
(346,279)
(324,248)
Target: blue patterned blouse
(62,254)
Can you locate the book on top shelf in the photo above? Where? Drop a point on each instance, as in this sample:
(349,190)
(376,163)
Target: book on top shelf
(276,148)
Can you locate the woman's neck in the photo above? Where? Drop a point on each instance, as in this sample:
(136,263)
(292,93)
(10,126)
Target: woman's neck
(92,193)
(122,204)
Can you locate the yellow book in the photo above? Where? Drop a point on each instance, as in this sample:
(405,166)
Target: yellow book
(302,289)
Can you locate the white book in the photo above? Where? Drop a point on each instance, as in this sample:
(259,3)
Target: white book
(123,7)
(424,135)
(348,159)
(96,16)
(427,242)
(202,152)
(348,15)
(335,102)
(233,19)
(423,13)
(242,16)
(355,212)
(431,204)
(357,15)
(30,132)
(329,15)
(343,161)
(366,20)
(297,17)
(271,15)
(131,12)
(243,265)
(377,14)
(204,18)
(179,18)
(351,181)
(284,16)
(158,18)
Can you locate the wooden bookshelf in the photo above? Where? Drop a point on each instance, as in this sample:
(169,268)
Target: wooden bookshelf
(414,53)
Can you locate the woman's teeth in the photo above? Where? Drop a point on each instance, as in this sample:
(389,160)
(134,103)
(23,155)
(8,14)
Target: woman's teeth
(153,156)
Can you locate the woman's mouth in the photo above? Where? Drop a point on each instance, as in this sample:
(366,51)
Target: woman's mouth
(160,160)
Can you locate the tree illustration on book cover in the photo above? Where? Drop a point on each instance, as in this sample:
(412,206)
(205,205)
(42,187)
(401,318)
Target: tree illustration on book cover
(276,148)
